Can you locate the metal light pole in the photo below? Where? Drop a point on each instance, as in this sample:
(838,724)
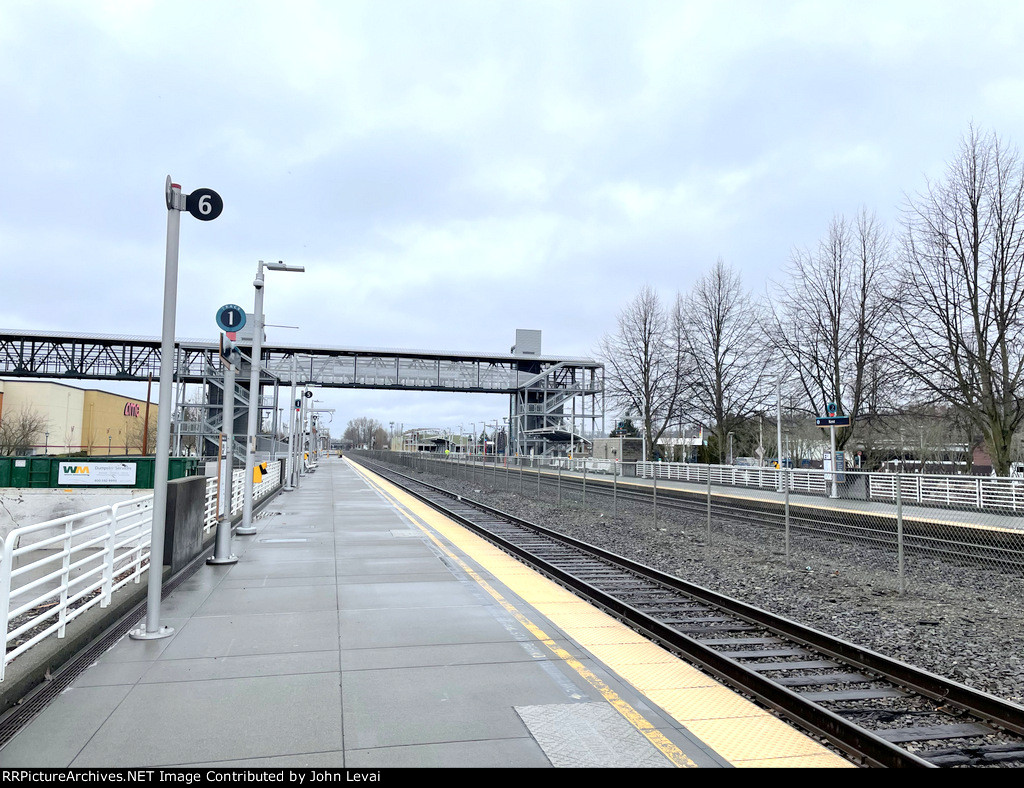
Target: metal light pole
(290,469)
(246,528)
(162,461)
(205,205)
(230,357)
(300,434)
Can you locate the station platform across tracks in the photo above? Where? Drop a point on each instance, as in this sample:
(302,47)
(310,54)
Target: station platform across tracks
(361,630)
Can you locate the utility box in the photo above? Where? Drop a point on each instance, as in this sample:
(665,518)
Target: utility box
(621,449)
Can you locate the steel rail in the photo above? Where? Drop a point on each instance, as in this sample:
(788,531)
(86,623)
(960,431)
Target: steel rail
(851,738)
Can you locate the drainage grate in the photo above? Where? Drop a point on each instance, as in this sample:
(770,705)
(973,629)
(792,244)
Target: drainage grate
(39,697)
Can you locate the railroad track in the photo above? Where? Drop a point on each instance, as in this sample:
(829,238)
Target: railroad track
(876,710)
(945,541)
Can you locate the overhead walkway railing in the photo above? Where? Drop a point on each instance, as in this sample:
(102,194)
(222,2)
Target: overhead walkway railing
(53,572)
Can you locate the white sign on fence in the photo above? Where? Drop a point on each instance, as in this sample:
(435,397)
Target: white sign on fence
(103,474)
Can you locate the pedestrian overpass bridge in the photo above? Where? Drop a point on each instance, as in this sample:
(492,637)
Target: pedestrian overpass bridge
(543,389)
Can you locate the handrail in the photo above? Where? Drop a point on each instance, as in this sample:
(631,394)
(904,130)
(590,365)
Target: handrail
(85,558)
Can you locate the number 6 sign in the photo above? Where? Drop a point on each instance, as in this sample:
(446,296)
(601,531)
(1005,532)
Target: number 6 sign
(204,204)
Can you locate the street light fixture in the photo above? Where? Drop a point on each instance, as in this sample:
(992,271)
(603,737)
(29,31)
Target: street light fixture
(246,528)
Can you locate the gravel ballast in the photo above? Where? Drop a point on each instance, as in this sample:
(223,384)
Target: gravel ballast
(962,622)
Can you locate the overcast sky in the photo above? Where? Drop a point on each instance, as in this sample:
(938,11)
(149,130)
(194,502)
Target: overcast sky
(449,172)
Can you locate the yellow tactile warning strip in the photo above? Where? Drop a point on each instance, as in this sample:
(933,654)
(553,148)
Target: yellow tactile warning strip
(732,726)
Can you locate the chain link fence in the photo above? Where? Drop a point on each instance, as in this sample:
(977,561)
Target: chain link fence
(897,523)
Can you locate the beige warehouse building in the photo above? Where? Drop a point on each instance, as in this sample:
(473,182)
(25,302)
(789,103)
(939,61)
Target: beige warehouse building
(77,420)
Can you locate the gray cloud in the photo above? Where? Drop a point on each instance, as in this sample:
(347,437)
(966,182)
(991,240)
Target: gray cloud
(451,172)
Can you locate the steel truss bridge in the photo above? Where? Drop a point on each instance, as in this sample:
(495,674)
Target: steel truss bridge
(541,388)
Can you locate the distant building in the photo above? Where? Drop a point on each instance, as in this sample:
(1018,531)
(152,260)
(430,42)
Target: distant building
(79,420)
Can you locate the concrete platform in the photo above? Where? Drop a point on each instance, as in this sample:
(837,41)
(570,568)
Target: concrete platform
(360,630)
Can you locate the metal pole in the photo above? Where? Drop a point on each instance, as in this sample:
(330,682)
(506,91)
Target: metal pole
(709,507)
(572,432)
(778,427)
(615,493)
(655,498)
(559,484)
(274,416)
(246,527)
(835,466)
(222,552)
(899,532)
(789,483)
(161,464)
(290,470)
(300,457)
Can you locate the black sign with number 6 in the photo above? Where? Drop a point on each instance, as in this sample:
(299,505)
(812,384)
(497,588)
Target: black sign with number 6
(204,204)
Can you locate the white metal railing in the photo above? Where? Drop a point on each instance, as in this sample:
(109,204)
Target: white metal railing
(52,572)
(962,492)
(971,492)
(800,480)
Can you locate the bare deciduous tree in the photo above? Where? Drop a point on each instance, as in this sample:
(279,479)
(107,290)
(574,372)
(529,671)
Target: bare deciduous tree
(21,429)
(642,359)
(827,318)
(960,305)
(366,432)
(140,437)
(725,363)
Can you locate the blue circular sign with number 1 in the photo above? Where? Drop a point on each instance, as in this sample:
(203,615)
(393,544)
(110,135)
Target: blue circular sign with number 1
(230,317)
